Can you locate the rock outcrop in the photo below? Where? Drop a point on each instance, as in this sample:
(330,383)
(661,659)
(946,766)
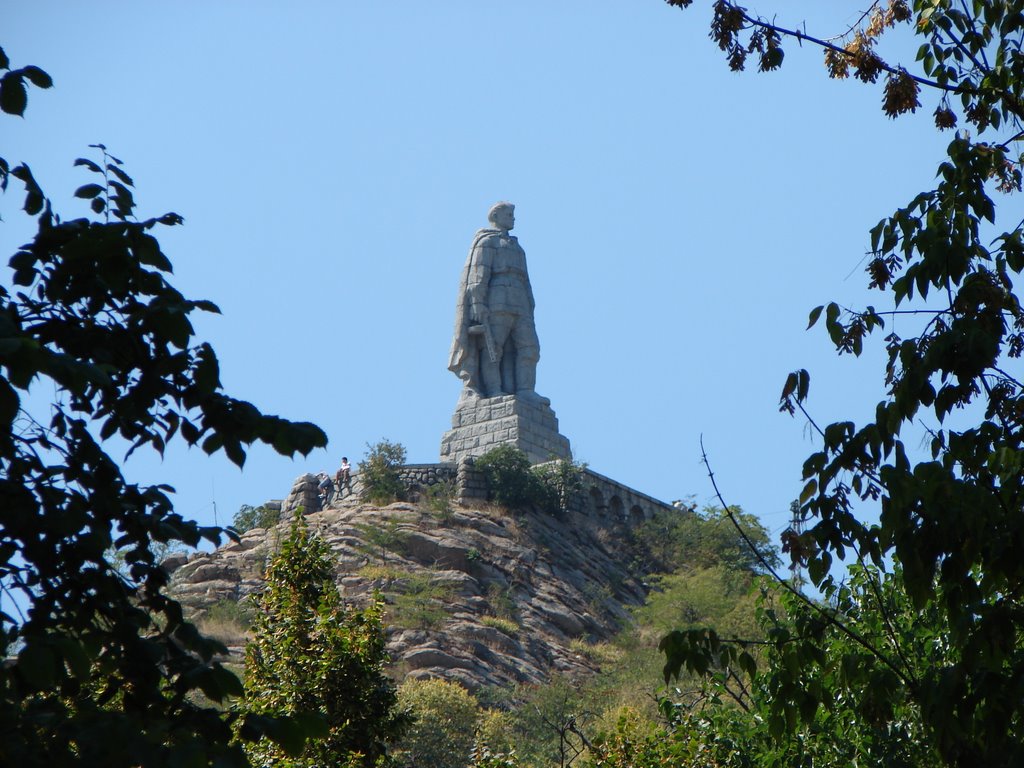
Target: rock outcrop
(479,596)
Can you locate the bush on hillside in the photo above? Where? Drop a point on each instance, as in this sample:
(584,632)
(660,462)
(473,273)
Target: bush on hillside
(248,517)
(378,472)
(445,718)
(560,481)
(507,472)
(705,539)
(514,483)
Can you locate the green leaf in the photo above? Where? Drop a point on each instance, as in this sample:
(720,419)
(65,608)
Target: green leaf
(147,250)
(190,432)
(809,490)
(9,402)
(804,385)
(108,429)
(89,191)
(815,314)
(38,77)
(75,656)
(313,724)
(747,664)
(789,387)
(88,164)
(37,665)
(120,174)
(672,645)
(207,370)
(13,94)
(235,452)
(818,566)
(34,199)
(206,306)
(808,707)
(217,683)
(286,733)
(5,63)
(212,443)
(170,219)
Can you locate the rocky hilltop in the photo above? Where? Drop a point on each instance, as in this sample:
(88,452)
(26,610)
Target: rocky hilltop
(476,594)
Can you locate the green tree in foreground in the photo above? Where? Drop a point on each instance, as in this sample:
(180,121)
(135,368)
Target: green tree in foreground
(314,656)
(106,666)
(951,519)
(849,708)
(444,725)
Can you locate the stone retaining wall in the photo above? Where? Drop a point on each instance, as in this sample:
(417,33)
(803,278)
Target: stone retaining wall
(601,496)
(604,496)
(418,477)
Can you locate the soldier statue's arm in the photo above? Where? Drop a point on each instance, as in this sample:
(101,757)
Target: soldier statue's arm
(529,294)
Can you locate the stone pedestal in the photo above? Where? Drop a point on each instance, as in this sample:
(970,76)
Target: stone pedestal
(480,424)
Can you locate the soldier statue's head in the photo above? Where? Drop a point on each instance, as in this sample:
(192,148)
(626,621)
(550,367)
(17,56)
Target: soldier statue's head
(502,215)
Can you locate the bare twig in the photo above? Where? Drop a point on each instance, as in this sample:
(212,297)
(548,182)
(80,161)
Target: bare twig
(855,25)
(890,628)
(826,615)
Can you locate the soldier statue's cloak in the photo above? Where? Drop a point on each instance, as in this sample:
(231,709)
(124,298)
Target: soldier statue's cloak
(462,345)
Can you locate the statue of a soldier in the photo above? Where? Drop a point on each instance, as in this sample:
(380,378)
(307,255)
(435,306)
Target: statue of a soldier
(495,349)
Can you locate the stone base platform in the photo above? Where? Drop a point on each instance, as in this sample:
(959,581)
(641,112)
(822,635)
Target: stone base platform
(480,424)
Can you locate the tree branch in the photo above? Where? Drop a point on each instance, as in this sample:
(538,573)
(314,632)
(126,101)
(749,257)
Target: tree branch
(800,37)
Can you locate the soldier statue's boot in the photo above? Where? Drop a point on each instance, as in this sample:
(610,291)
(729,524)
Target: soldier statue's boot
(490,379)
(527,381)
(531,396)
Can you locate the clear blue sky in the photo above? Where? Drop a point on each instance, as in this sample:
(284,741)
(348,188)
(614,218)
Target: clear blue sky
(332,160)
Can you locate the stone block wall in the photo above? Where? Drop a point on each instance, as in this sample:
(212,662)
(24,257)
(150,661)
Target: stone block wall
(480,424)
(418,477)
(603,496)
(471,483)
(303,494)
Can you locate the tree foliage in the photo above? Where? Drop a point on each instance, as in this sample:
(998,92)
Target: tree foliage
(514,483)
(106,664)
(444,724)
(248,517)
(950,519)
(378,472)
(703,584)
(712,537)
(810,691)
(377,539)
(507,471)
(14,92)
(312,655)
